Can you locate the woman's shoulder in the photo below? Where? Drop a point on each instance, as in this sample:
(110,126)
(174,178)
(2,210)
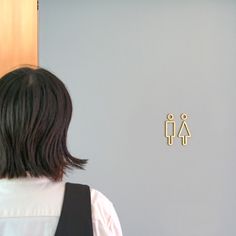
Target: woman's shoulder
(104,213)
(101,204)
(104,216)
(99,198)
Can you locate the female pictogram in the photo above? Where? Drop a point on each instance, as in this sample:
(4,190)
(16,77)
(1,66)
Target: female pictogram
(184,132)
(170,129)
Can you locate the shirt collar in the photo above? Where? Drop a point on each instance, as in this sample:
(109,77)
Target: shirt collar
(25,180)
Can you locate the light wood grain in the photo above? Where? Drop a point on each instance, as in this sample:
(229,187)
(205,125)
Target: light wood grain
(18,34)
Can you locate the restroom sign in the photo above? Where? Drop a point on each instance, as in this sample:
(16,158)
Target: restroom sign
(183,131)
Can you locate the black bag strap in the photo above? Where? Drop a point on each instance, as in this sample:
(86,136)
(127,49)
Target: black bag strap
(76,215)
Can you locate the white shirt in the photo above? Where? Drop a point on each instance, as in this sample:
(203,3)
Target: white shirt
(32,206)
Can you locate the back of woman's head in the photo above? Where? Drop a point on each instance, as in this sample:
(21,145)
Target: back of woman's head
(35,112)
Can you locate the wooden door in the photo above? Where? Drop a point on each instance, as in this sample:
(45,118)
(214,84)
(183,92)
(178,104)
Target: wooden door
(18,34)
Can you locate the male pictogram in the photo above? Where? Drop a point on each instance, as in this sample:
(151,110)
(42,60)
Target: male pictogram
(170,129)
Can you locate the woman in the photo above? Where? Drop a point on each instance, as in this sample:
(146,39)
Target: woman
(35,112)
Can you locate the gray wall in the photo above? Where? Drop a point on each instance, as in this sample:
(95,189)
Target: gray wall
(126,65)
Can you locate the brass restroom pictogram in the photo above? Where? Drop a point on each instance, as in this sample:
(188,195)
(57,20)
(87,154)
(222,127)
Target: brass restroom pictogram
(170,129)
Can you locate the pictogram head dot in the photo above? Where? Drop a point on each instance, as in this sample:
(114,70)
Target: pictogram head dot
(184,116)
(170,117)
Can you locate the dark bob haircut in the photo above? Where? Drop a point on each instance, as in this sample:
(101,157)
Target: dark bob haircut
(35,113)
